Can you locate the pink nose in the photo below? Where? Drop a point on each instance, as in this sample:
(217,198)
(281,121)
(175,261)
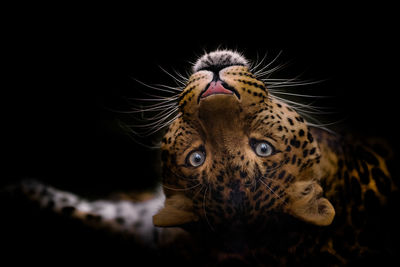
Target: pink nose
(216,88)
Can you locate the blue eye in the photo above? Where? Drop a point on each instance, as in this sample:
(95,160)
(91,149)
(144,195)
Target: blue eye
(262,148)
(196,158)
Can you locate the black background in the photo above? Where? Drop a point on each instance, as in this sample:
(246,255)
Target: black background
(63,75)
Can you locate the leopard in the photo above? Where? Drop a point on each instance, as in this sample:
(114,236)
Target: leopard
(248,180)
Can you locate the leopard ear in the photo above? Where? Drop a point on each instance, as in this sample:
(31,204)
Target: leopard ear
(308,204)
(178,210)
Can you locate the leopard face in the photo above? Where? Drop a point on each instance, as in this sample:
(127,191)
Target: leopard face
(235,155)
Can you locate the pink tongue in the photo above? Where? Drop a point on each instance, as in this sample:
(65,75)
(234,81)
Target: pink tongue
(216,88)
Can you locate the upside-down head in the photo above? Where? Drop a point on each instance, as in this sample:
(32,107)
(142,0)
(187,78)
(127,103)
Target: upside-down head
(236,154)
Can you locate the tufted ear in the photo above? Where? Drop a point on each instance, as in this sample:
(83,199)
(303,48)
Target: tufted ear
(177,211)
(308,204)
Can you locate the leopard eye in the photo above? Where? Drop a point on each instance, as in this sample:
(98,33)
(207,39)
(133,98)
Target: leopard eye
(196,158)
(262,148)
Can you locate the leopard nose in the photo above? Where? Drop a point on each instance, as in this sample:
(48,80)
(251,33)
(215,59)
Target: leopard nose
(215,68)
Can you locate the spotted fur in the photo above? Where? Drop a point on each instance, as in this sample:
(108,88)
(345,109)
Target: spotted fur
(314,182)
(234,184)
(294,206)
(133,218)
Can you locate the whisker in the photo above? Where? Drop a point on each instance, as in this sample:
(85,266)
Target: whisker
(269,188)
(184,79)
(157,96)
(254,185)
(277,79)
(292,81)
(198,191)
(154,108)
(291,84)
(161,99)
(257,73)
(164,112)
(254,69)
(129,129)
(301,95)
(319,125)
(205,209)
(181,189)
(313,122)
(155,88)
(177,89)
(320,112)
(161,117)
(300,107)
(294,104)
(173,77)
(146,131)
(161,126)
(273,70)
(180,176)
(270,169)
(153,123)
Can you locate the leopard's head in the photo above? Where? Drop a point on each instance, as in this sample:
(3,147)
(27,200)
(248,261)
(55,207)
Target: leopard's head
(236,154)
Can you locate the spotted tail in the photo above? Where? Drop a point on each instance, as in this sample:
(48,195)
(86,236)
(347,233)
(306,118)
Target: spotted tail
(123,216)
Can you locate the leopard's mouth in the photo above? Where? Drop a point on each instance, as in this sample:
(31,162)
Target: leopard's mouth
(218,88)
